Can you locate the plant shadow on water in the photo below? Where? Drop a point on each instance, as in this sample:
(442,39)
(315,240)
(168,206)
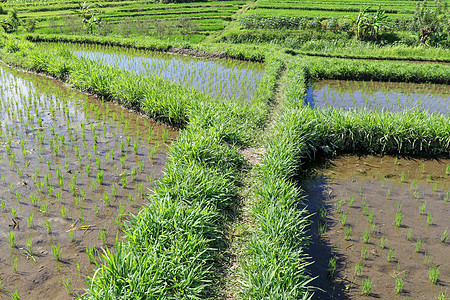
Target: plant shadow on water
(321,251)
(72,169)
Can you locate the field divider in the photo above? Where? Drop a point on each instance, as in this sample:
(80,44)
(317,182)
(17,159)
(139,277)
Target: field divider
(172,247)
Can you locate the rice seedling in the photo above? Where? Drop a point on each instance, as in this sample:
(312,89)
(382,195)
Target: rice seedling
(364,251)
(366,236)
(90,252)
(429,219)
(322,229)
(365,208)
(100,177)
(447,170)
(48,225)
(398,217)
(418,244)
(426,259)
(442,294)
(434,274)
(447,196)
(390,254)
(409,235)
(30,220)
(347,232)
(402,176)
(423,207)
(14,262)
(3,205)
(343,218)
(63,211)
(103,233)
(358,269)
(72,236)
(422,168)
(444,235)
(106,199)
(44,208)
(332,267)
(67,282)
(371,214)
(366,287)
(12,239)
(29,248)
(56,251)
(351,199)
(14,212)
(399,285)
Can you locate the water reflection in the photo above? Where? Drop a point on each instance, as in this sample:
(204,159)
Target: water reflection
(379,96)
(230,80)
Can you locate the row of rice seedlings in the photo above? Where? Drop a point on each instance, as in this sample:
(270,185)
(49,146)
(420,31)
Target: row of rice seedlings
(64,158)
(209,76)
(380,99)
(399,284)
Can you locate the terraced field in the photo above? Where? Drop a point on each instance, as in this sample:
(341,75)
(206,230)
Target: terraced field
(61,16)
(330,8)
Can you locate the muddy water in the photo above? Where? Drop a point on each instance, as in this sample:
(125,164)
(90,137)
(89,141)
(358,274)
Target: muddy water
(218,77)
(380,187)
(71,169)
(386,96)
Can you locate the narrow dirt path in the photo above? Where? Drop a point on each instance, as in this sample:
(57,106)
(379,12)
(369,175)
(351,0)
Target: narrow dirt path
(240,232)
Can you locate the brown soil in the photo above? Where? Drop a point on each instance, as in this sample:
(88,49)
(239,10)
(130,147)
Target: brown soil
(378,183)
(39,276)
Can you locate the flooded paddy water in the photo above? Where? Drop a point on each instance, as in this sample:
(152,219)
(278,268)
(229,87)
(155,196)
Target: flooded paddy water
(218,77)
(379,220)
(71,169)
(387,96)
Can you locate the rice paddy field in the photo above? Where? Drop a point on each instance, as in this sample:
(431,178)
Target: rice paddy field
(329,8)
(219,78)
(72,169)
(379,96)
(61,16)
(222,150)
(382,220)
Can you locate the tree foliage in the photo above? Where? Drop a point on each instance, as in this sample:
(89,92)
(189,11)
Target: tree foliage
(432,23)
(90,15)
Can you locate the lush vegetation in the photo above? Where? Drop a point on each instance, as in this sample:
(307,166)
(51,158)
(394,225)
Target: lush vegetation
(174,247)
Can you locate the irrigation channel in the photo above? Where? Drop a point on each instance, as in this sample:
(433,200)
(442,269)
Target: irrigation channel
(387,96)
(383,219)
(222,78)
(71,168)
